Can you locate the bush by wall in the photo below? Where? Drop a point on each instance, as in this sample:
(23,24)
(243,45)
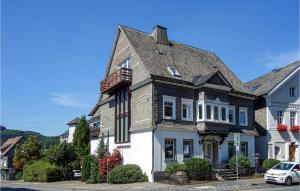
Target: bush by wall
(86,168)
(173,168)
(243,163)
(108,162)
(94,174)
(269,163)
(42,171)
(129,173)
(198,168)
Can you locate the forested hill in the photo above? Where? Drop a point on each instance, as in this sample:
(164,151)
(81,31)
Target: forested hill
(11,133)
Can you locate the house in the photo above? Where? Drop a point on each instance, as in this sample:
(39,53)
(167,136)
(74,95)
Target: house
(163,101)
(68,135)
(6,157)
(277,113)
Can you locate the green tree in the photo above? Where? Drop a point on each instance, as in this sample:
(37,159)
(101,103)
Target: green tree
(81,138)
(101,149)
(31,151)
(61,154)
(86,168)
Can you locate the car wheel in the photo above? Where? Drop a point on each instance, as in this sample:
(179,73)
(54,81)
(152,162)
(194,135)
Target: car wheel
(268,182)
(288,181)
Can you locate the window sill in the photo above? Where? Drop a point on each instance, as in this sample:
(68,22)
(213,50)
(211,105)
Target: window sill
(189,120)
(169,118)
(244,125)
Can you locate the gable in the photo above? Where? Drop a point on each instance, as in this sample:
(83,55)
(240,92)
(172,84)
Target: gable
(218,80)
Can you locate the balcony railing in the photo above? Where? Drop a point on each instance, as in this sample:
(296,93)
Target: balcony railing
(121,77)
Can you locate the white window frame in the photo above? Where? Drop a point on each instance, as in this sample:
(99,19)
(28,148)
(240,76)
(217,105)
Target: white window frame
(190,103)
(198,112)
(125,64)
(173,100)
(216,106)
(278,116)
(174,72)
(226,113)
(243,109)
(211,112)
(294,92)
(233,115)
(295,118)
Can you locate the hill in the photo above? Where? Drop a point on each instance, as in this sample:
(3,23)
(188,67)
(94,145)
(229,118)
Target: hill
(11,133)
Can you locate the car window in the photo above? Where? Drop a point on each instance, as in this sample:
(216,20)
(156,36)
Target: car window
(296,167)
(283,166)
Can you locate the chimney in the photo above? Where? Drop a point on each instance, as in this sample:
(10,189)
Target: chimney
(160,35)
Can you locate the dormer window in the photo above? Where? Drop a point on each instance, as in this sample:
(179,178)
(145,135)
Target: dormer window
(174,72)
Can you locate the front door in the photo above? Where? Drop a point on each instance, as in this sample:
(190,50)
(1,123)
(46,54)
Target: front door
(208,150)
(292,149)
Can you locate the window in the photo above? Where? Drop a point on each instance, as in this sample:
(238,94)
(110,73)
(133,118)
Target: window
(243,116)
(188,148)
(280,151)
(223,114)
(170,149)
(231,115)
(279,116)
(200,111)
(187,109)
(169,107)
(125,64)
(216,113)
(208,112)
(293,92)
(244,149)
(173,71)
(292,118)
(122,121)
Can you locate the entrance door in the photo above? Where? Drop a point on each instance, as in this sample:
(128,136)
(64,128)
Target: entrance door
(292,149)
(208,150)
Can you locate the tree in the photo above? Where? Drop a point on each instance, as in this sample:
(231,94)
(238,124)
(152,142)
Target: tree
(101,149)
(61,155)
(81,138)
(30,151)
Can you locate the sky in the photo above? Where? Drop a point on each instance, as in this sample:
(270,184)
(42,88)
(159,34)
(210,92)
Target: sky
(54,52)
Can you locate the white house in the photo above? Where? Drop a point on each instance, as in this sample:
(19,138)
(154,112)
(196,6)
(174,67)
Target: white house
(278,113)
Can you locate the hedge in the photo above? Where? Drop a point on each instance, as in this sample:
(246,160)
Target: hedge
(42,171)
(269,163)
(129,173)
(198,168)
(243,162)
(173,168)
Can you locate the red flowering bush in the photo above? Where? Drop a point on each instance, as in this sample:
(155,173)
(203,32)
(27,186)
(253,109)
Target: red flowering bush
(281,127)
(295,128)
(108,162)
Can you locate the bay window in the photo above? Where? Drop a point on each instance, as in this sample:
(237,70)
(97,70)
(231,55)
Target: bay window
(216,113)
(231,114)
(223,113)
(243,116)
(208,112)
(200,111)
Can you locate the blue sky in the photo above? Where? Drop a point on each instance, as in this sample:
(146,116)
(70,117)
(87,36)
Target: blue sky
(54,52)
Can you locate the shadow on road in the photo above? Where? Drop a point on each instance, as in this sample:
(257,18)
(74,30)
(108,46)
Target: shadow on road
(16,189)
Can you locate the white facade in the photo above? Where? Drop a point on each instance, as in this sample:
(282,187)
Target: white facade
(71,134)
(281,105)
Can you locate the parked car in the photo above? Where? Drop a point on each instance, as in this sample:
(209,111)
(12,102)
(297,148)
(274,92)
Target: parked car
(283,173)
(77,174)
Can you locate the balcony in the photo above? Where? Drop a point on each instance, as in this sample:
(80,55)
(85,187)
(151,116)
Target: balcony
(121,77)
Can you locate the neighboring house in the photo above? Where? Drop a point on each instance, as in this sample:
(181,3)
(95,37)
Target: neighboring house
(278,113)
(163,101)
(6,157)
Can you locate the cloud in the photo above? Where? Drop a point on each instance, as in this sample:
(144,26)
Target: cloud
(278,60)
(70,100)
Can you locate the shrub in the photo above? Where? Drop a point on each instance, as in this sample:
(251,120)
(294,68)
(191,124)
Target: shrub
(61,155)
(269,163)
(42,171)
(198,168)
(19,175)
(173,168)
(129,173)
(95,175)
(107,163)
(86,168)
(243,163)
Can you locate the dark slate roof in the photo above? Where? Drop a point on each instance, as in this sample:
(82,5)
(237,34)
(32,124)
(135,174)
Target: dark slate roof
(267,82)
(189,61)
(74,121)
(65,134)
(9,144)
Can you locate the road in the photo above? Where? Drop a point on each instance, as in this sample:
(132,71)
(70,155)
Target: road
(249,185)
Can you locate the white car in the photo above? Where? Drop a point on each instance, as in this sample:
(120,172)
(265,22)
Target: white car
(77,174)
(283,173)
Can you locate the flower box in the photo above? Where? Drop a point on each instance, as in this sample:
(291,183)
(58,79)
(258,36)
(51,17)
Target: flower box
(295,128)
(281,127)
